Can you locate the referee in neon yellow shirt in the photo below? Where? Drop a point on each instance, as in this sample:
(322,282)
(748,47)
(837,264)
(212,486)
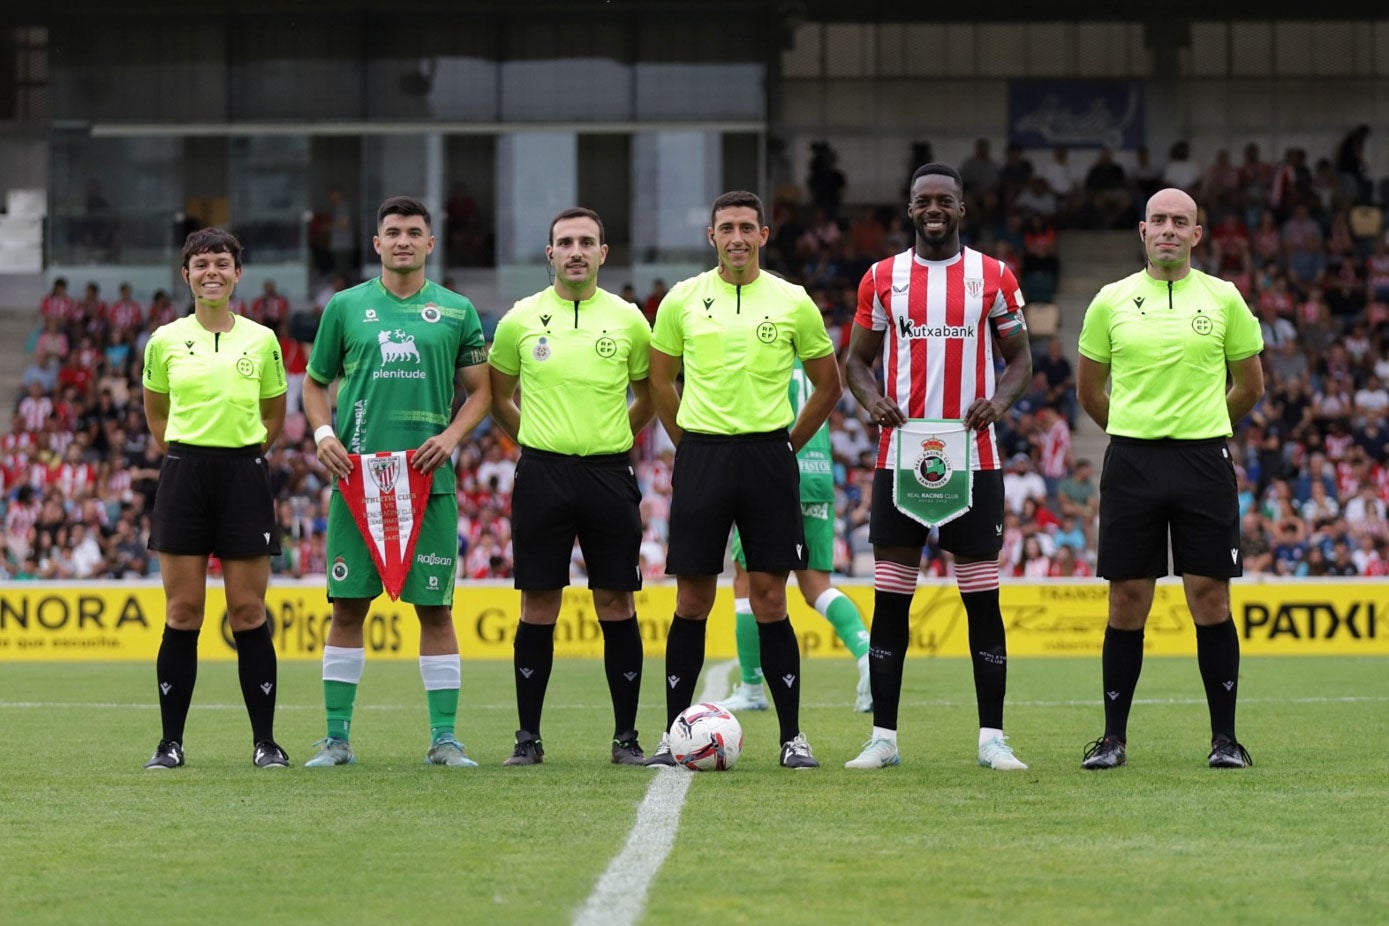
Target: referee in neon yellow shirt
(736,332)
(1183,350)
(215,402)
(574,349)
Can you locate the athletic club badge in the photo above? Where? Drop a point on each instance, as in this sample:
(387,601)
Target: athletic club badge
(430,312)
(387,498)
(542,350)
(933,469)
(384,471)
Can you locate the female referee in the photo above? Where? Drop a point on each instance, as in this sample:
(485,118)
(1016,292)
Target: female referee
(215,402)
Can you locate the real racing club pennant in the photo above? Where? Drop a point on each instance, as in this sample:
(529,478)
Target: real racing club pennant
(387,498)
(931,482)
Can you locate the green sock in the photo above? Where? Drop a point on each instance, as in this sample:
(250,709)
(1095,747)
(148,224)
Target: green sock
(443,711)
(847,622)
(749,647)
(338,698)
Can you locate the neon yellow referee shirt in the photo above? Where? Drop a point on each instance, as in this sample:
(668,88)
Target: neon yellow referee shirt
(214,380)
(737,344)
(574,361)
(1167,346)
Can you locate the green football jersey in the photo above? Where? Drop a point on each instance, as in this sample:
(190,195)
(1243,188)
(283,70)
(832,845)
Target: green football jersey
(396,359)
(816,459)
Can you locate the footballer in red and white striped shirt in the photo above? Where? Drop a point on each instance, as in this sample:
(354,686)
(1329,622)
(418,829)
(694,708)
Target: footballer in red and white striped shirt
(938,319)
(932,315)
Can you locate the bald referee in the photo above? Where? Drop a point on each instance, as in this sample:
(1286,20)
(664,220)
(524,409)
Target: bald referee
(1171,338)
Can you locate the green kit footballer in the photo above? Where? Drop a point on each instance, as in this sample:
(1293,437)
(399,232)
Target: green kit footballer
(396,345)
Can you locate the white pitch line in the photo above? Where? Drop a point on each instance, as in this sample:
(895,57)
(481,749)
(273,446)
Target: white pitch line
(619,897)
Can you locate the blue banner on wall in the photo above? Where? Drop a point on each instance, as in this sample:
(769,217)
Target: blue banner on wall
(1076,113)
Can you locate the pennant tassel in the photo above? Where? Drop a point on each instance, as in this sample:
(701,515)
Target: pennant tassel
(387,498)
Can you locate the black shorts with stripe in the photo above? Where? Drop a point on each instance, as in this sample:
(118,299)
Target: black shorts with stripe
(1150,488)
(977,532)
(559,498)
(214,500)
(751,480)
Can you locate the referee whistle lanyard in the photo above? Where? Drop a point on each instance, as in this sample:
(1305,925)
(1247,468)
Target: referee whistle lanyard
(931,480)
(387,497)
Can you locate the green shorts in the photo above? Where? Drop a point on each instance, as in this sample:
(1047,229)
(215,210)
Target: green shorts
(429,581)
(818,518)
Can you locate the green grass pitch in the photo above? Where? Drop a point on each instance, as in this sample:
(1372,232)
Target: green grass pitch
(89,836)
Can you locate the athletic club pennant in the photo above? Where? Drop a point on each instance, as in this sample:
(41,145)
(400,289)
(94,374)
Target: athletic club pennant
(387,498)
(931,483)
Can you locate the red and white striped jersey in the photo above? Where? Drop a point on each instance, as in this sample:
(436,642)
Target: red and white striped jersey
(1056,449)
(12,443)
(269,310)
(938,354)
(74,479)
(125,313)
(62,308)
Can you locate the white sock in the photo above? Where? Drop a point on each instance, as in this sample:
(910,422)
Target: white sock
(828,597)
(988,733)
(441,672)
(863,664)
(882,733)
(344,664)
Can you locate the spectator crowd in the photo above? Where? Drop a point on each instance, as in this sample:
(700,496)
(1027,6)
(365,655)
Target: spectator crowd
(1305,244)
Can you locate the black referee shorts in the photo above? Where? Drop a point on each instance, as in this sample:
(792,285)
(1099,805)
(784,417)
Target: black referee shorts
(214,500)
(559,498)
(1185,487)
(751,480)
(977,532)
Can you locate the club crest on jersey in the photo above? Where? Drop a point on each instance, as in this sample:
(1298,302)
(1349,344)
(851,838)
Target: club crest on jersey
(403,349)
(541,351)
(932,468)
(384,472)
(430,313)
(766,332)
(975,288)
(606,347)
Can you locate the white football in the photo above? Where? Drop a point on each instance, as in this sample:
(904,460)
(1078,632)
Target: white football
(706,738)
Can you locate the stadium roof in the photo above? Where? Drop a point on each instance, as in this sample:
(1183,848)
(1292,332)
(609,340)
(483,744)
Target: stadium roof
(793,10)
